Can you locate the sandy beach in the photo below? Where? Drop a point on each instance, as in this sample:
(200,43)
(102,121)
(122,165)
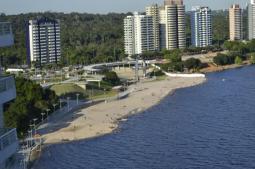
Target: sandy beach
(103,118)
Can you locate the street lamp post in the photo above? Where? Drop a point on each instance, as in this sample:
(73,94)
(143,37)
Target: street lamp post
(60,104)
(77,98)
(30,134)
(35,119)
(29,138)
(42,116)
(55,105)
(47,110)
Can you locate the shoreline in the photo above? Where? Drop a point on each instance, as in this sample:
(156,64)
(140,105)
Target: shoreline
(104,118)
(214,69)
(71,130)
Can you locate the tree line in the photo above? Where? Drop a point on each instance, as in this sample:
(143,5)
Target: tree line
(90,38)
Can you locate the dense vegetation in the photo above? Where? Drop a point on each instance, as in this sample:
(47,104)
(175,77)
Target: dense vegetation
(193,63)
(91,38)
(175,63)
(238,51)
(31,101)
(85,38)
(224,59)
(112,78)
(220,27)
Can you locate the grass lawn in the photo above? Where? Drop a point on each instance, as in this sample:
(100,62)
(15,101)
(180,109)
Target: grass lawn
(92,92)
(72,89)
(102,94)
(161,77)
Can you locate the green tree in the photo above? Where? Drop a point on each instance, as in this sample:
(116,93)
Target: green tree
(223,59)
(173,56)
(192,63)
(31,101)
(238,60)
(252,59)
(112,78)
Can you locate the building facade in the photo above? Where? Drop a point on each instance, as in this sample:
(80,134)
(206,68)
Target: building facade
(235,23)
(153,11)
(8,137)
(201,27)
(43,41)
(251,20)
(162,27)
(138,34)
(129,36)
(172,24)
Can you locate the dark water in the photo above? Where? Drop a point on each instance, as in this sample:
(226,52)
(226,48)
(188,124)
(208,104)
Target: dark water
(207,126)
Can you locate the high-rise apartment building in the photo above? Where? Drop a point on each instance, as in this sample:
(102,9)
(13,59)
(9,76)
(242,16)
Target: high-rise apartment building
(162,28)
(172,20)
(153,11)
(138,34)
(251,20)
(201,26)
(235,23)
(43,41)
(129,35)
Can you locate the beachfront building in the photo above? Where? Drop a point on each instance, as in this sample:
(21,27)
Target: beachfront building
(167,28)
(251,20)
(153,11)
(162,28)
(172,24)
(235,23)
(129,35)
(138,34)
(43,41)
(201,27)
(8,137)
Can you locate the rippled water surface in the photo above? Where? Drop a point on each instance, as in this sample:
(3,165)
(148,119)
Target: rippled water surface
(207,126)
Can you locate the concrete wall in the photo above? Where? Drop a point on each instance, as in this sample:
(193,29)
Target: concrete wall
(185,75)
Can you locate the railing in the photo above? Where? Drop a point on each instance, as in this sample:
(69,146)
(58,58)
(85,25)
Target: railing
(7,138)
(6,83)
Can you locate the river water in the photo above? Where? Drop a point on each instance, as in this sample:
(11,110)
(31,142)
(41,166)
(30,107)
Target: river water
(206,126)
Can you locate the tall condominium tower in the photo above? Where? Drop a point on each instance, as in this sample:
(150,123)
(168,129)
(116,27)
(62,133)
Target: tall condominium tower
(138,34)
(162,28)
(201,27)
(235,23)
(173,14)
(153,11)
(129,35)
(43,41)
(251,20)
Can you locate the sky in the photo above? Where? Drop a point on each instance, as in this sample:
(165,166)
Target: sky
(100,6)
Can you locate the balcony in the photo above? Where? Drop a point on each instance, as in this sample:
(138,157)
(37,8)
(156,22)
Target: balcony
(8,144)
(7,89)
